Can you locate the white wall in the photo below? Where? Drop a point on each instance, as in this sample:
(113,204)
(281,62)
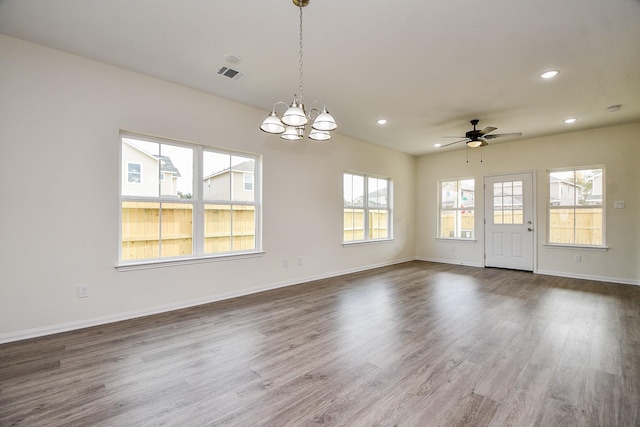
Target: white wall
(61,116)
(60,120)
(617,147)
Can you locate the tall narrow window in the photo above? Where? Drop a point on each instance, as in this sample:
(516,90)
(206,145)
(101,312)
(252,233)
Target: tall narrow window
(576,208)
(456,209)
(367,208)
(193,201)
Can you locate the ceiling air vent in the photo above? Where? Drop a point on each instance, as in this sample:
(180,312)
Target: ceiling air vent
(230,72)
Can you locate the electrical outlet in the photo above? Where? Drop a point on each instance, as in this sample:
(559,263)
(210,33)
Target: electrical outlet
(577,258)
(299,260)
(83,291)
(285,263)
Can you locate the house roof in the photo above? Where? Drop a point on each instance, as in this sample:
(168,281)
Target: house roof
(247,166)
(166,165)
(427,66)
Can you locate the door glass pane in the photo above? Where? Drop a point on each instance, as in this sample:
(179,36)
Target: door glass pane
(507,191)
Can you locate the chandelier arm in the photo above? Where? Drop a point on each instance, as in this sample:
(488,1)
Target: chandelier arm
(278,103)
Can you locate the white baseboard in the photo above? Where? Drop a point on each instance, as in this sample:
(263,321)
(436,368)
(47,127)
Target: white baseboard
(606,279)
(618,280)
(97,321)
(451,261)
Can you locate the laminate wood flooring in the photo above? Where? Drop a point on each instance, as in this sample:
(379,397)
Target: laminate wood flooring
(414,344)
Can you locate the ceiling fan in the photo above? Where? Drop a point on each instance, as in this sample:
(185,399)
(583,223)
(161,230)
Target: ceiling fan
(478,138)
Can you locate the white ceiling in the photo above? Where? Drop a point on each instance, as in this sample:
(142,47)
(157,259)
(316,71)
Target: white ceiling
(428,66)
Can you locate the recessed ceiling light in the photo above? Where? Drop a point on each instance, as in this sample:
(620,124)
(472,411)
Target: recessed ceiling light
(570,120)
(549,74)
(382,121)
(232,58)
(437,145)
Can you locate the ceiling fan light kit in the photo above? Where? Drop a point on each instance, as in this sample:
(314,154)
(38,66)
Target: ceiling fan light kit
(292,125)
(478,138)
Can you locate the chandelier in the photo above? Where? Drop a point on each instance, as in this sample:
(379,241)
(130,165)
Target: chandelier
(292,125)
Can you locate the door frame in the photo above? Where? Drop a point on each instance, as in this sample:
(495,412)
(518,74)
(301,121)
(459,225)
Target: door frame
(534,213)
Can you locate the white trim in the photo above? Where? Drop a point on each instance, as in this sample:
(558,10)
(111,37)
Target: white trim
(576,247)
(365,207)
(454,239)
(602,205)
(145,265)
(534,212)
(366,242)
(451,261)
(103,320)
(197,203)
(615,280)
(440,209)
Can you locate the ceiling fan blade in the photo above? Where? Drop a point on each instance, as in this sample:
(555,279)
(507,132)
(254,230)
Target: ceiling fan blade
(501,135)
(486,130)
(455,142)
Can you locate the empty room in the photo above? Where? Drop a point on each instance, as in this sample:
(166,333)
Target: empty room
(312,212)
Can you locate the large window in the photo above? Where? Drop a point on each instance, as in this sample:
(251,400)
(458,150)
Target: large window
(576,206)
(367,208)
(192,202)
(456,209)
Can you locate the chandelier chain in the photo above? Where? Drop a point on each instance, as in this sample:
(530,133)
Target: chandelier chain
(300,61)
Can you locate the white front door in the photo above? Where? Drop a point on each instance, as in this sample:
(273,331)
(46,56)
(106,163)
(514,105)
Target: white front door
(509,221)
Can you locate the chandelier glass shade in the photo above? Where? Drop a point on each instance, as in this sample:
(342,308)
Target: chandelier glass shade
(292,125)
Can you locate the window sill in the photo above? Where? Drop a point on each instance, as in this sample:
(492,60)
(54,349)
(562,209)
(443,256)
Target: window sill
(148,264)
(366,242)
(581,247)
(453,239)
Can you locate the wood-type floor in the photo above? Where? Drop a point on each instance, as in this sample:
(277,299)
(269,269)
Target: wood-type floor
(415,344)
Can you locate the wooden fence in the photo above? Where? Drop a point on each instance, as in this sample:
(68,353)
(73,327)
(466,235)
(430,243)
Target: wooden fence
(226,229)
(583,228)
(353,229)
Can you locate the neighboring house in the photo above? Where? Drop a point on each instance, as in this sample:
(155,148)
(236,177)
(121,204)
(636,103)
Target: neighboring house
(376,199)
(142,172)
(235,183)
(562,192)
(449,195)
(595,198)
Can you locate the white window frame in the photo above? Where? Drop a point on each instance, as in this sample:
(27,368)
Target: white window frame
(575,207)
(458,182)
(365,206)
(198,203)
